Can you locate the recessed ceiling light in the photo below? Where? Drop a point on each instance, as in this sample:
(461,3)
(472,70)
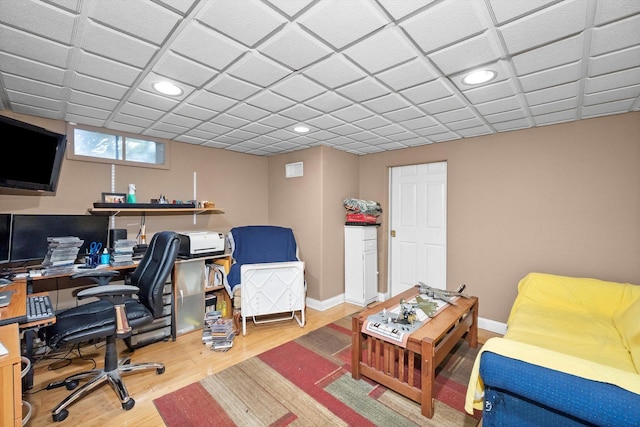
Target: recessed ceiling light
(167,88)
(301,129)
(479,76)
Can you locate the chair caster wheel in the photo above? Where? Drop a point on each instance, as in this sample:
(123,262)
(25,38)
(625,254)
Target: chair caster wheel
(160,371)
(61,416)
(128,404)
(70,385)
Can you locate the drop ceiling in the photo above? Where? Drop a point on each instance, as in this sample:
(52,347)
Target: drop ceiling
(365,76)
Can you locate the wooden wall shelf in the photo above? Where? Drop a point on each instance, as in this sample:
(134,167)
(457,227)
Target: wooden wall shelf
(158,211)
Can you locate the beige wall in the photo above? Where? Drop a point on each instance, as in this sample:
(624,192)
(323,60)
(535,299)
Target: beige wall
(340,182)
(562,199)
(312,206)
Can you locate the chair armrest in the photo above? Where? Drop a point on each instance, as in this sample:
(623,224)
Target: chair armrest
(101,277)
(108,291)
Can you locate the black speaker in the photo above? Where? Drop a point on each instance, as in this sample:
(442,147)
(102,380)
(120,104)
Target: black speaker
(116,234)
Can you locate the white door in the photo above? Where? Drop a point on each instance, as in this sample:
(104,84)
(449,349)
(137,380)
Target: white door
(418,241)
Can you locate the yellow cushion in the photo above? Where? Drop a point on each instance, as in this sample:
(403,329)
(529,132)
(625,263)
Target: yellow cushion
(627,322)
(574,316)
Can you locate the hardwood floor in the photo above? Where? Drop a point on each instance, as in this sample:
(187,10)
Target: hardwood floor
(186,360)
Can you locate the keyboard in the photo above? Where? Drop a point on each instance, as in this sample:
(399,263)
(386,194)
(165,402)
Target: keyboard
(39,307)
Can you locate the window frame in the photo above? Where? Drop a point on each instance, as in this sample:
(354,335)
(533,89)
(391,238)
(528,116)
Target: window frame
(70,152)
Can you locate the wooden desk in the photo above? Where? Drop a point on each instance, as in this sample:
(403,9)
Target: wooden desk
(16,311)
(55,282)
(10,377)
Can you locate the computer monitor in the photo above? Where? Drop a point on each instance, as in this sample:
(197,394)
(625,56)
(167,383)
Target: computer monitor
(29,234)
(5,237)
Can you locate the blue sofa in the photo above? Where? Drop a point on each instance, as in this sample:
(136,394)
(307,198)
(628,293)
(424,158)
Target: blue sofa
(570,357)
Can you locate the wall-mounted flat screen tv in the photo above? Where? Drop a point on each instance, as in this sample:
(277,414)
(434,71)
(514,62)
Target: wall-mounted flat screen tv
(34,156)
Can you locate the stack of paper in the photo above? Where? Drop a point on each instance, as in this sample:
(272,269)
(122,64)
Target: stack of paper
(61,254)
(122,253)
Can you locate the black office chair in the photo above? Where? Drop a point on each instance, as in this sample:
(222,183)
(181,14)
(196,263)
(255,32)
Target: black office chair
(114,316)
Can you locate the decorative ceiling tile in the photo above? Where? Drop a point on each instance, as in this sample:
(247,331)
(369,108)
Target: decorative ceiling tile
(427,92)
(615,61)
(184,70)
(300,112)
(110,14)
(31,70)
(467,54)
(618,35)
(247,21)
(23,85)
(385,49)
(444,23)
(28,46)
(553,77)
(556,22)
(248,112)
(103,68)
(270,101)
(206,46)
(363,90)
(232,88)
(107,42)
(258,69)
(400,9)
(408,74)
(328,102)
(340,23)
(290,7)
(334,71)
(298,88)
(351,113)
(294,48)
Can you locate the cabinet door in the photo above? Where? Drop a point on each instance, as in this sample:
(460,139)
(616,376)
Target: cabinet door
(190,284)
(370,272)
(361,265)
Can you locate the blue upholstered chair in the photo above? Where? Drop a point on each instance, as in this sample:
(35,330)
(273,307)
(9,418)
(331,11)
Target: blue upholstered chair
(267,273)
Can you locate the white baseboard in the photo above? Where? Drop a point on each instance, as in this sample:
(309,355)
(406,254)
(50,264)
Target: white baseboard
(492,325)
(325,304)
(486,324)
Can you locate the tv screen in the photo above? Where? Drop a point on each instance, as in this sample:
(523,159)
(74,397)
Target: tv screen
(36,156)
(29,234)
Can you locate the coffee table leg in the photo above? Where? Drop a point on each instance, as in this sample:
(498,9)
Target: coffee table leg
(356,347)
(428,372)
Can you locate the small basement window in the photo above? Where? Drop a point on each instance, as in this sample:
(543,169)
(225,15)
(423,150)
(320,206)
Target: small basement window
(104,146)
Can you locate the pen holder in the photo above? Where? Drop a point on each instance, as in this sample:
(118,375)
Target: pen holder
(91,260)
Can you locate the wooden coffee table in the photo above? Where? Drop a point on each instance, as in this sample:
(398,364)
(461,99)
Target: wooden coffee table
(393,366)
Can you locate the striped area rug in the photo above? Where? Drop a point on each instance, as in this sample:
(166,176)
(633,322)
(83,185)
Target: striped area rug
(308,382)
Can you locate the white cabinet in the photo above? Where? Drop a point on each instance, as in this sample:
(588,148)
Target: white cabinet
(360,264)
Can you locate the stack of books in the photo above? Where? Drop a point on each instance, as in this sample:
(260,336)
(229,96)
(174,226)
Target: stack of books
(217,332)
(139,251)
(61,254)
(122,253)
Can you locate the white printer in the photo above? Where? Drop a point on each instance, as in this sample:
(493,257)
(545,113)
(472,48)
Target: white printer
(200,243)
